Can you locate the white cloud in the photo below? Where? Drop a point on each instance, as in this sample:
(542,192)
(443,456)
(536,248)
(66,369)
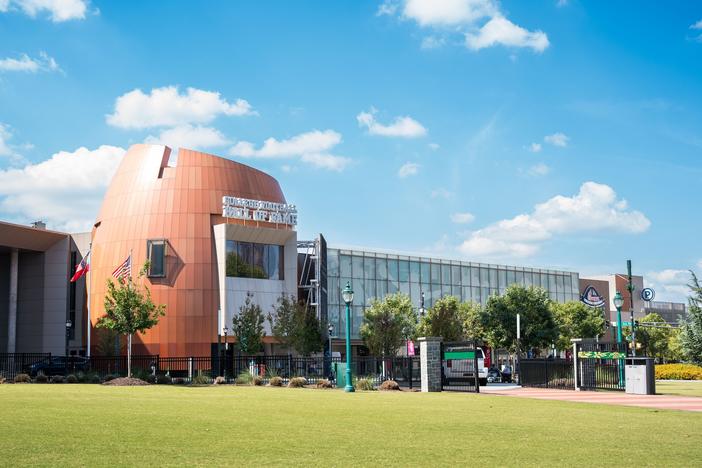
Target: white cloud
(594,208)
(408,169)
(167,107)
(557,139)
(501,31)
(539,169)
(310,147)
(388,7)
(535,147)
(462,218)
(58,10)
(403,127)
(65,190)
(24,63)
(482,22)
(440,193)
(432,42)
(669,284)
(9,150)
(699,264)
(189,136)
(697,25)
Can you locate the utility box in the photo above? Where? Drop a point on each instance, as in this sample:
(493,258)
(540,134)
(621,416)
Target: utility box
(640,376)
(340,374)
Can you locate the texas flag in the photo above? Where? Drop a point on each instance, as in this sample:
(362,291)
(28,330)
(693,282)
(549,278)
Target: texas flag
(82,268)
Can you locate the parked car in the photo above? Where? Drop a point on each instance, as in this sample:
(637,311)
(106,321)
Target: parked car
(59,365)
(463,368)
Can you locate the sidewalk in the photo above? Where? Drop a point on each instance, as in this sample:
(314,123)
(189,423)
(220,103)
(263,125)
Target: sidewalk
(673,402)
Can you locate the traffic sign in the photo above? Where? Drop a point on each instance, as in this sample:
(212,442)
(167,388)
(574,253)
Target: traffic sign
(648,294)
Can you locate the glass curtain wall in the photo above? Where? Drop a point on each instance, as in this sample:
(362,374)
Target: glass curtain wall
(374,275)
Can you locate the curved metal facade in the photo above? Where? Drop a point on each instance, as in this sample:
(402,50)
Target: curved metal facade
(148,200)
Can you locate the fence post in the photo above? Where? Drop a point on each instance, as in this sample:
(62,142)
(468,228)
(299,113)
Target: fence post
(575,364)
(430,360)
(190,368)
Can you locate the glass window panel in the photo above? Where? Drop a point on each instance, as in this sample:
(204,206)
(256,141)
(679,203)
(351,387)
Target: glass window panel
(465,276)
(274,257)
(392,287)
(356,321)
(520,277)
(414,294)
(552,283)
(381,268)
(157,258)
(414,272)
(435,292)
(475,293)
(559,284)
(425,276)
(484,282)
(245,252)
(467,296)
(370,290)
(474,276)
(446,274)
(334,291)
(456,291)
(502,279)
(435,273)
(359,292)
(528,278)
(404,271)
(345,265)
(455,274)
(357,266)
(493,278)
(544,281)
(382,289)
(575,282)
(511,277)
(332,262)
(392,270)
(369,267)
(567,285)
(405,288)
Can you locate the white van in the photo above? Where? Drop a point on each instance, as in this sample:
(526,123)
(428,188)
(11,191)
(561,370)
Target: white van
(461,367)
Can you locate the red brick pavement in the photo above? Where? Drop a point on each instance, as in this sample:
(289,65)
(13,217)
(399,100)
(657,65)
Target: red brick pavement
(673,402)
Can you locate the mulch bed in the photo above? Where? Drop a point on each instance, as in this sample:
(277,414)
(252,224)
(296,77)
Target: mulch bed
(126,382)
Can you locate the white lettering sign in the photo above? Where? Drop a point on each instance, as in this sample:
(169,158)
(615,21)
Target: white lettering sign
(259,210)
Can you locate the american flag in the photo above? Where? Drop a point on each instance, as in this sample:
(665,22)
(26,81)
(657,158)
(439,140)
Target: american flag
(125,269)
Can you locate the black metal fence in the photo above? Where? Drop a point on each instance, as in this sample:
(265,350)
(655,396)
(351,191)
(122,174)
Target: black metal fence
(459,367)
(601,366)
(547,373)
(12,364)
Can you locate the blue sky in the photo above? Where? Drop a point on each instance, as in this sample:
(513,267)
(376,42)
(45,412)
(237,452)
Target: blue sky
(557,133)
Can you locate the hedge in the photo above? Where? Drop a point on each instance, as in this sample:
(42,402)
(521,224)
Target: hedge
(678,372)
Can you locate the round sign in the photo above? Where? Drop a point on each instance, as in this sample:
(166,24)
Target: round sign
(647,294)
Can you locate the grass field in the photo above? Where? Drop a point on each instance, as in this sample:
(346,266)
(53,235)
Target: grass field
(93,425)
(679,387)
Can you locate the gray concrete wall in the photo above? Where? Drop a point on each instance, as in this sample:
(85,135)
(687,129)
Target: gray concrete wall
(4,298)
(56,287)
(30,302)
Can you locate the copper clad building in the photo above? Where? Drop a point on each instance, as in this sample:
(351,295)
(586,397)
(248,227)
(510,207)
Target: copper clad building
(173,216)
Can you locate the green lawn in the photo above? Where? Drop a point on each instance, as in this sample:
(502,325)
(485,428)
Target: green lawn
(679,387)
(92,425)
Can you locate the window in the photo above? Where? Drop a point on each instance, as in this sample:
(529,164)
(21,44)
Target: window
(156,251)
(251,260)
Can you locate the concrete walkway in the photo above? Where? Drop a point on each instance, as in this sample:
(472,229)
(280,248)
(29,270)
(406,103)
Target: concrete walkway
(673,402)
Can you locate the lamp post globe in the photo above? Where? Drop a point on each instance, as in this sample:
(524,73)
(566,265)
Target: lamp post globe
(347,295)
(618,303)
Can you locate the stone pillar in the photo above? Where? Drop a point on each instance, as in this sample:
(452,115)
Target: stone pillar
(12,310)
(430,363)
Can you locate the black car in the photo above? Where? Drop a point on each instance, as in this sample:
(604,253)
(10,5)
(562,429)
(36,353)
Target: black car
(59,365)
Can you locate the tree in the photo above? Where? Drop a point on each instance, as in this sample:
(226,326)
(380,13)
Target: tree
(129,310)
(247,326)
(474,321)
(675,351)
(576,320)
(538,329)
(654,340)
(296,326)
(691,324)
(444,319)
(387,323)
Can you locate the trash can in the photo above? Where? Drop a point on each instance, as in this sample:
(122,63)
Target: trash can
(640,376)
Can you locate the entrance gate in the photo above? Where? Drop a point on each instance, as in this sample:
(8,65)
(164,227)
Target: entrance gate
(459,367)
(601,366)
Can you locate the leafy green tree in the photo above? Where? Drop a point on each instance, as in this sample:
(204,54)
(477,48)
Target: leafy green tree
(445,319)
(296,326)
(474,321)
(654,340)
(691,325)
(129,310)
(675,351)
(247,326)
(538,328)
(576,320)
(387,323)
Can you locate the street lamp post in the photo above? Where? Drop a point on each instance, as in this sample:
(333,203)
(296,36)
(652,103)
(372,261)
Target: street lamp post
(69,324)
(618,303)
(226,353)
(347,295)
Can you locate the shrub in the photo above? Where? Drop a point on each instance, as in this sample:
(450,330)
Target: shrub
(41,378)
(178,381)
(258,380)
(93,378)
(297,382)
(364,383)
(163,379)
(23,378)
(200,379)
(389,385)
(109,377)
(220,380)
(275,382)
(151,378)
(58,379)
(678,372)
(245,378)
(324,383)
(71,378)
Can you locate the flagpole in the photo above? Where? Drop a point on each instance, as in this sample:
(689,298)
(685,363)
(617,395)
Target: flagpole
(90,275)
